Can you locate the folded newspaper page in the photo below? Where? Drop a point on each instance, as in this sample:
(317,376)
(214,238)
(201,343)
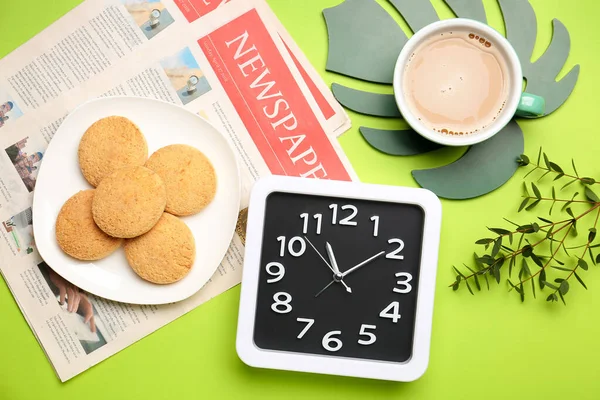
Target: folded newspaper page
(252,82)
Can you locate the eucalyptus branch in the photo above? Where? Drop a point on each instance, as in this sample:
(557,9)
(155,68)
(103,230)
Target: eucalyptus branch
(564,286)
(551,167)
(499,249)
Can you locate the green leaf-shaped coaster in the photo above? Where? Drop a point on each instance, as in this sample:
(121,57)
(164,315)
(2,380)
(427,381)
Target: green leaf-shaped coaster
(379,105)
(398,142)
(472,9)
(483,168)
(521,31)
(417,14)
(364,41)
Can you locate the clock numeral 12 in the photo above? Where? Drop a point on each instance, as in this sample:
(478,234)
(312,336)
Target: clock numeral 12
(318,217)
(348,219)
(290,246)
(285,303)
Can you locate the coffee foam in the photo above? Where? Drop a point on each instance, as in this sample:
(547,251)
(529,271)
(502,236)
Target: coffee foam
(455,83)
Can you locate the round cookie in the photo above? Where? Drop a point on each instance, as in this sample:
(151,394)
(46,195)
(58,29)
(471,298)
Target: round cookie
(129,202)
(109,144)
(165,254)
(188,175)
(77,234)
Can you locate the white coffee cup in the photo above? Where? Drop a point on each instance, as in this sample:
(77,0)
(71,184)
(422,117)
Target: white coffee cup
(517,102)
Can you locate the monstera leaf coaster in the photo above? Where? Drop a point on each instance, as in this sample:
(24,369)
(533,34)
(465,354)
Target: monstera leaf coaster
(364,43)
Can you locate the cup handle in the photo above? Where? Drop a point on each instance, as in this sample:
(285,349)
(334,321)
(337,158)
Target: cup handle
(531,106)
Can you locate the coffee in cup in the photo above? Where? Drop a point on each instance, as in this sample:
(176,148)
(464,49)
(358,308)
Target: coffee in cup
(455,83)
(459,82)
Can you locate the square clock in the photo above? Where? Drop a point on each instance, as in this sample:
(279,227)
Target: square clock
(339,278)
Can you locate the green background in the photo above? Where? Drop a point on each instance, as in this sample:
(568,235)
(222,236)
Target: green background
(488,346)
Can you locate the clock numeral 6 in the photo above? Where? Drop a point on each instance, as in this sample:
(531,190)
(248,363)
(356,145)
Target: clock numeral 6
(406,286)
(370,335)
(282,306)
(392,311)
(278,274)
(291,246)
(394,254)
(330,343)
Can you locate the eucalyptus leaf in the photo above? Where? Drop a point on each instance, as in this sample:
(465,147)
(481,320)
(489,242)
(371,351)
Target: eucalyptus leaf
(536,191)
(499,231)
(542,279)
(537,260)
(497,246)
(550,285)
(496,271)
(564,287)
(592,235)
(533,205)
(580,281)
(574,168)
(556,167)
(469,287)
(569,183)
(477,282)
(523,204)
(458,272)
(523,160)
(562,298)
(589,193)
(588,181)
(582,264)
(562,269)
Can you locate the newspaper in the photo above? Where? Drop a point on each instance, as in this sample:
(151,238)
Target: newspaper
(253,82)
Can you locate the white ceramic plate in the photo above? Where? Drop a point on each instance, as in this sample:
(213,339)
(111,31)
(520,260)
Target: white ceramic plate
(162,124)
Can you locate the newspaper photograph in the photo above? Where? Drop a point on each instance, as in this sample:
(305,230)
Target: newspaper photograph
(229,61)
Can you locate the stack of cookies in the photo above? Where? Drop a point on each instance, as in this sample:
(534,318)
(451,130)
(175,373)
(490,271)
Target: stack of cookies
(137,201)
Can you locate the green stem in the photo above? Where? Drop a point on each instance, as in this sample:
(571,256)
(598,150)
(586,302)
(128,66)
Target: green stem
(570,225)
(544,168)
(560,200)
(587,246)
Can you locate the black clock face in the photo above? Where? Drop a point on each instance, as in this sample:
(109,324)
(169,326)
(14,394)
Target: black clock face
(367,309)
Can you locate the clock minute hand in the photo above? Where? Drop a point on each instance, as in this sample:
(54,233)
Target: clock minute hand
(368,260)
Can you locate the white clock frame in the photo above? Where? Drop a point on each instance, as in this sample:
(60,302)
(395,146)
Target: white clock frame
(406,371)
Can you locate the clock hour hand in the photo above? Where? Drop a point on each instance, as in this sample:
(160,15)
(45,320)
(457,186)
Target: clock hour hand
(320,255)
(336,269)
(368,260)
(337,274)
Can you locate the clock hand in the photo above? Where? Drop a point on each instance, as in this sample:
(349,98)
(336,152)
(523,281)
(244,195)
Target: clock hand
(320,255)
(368,260)
(338,275)
(322,290)
(336,269)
